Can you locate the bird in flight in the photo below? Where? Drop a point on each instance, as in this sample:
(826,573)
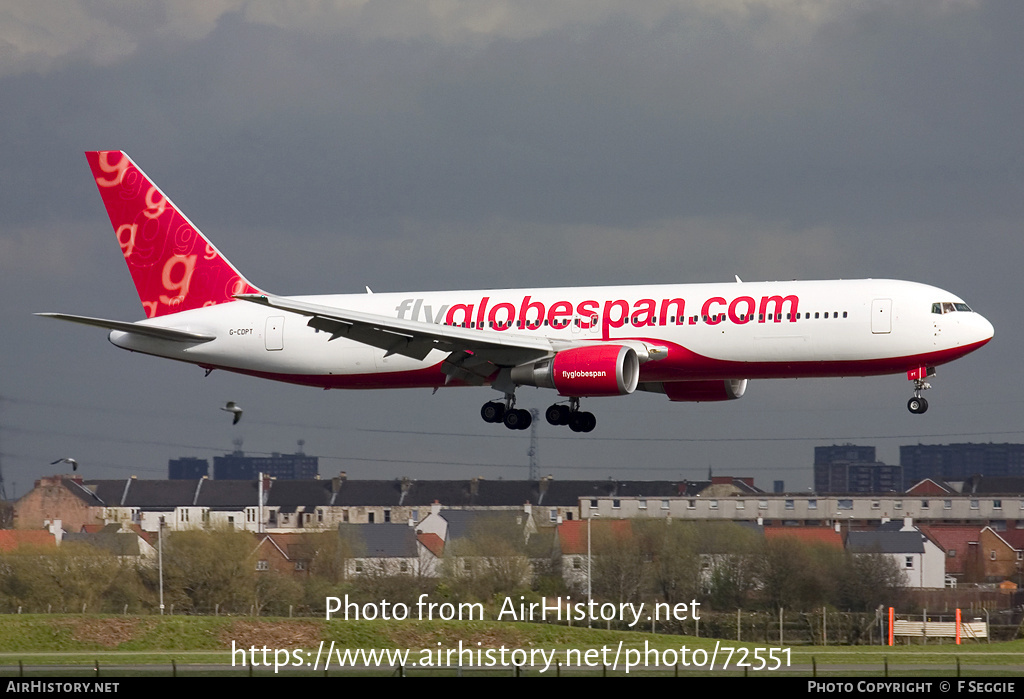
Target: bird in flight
(231,407)
(68,460)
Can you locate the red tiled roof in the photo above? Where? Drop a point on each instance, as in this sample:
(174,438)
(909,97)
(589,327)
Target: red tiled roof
(289,545)
(289,538)
(432,542)
(573,534)
(1014,537)
(11,539)
(808,535)
(953,538)
(930,487)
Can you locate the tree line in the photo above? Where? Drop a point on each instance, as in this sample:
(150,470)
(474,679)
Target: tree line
(205,571)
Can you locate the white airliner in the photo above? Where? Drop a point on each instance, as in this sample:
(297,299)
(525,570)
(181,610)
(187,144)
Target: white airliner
(691,342)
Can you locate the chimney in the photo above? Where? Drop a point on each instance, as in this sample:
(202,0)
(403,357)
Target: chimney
(56,527)
(435,508)
(337,481)
(545,483)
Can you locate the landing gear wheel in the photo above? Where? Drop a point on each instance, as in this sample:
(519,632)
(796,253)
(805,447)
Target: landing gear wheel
(511,419)
(917,405)
(492,412)
(557,415)
(525,420)
(518,419)
(590,422)
(582,422)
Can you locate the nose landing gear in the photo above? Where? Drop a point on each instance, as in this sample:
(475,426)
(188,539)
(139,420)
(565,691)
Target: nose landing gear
(918,405)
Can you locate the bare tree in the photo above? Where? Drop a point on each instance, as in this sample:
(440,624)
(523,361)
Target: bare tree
(621,565)
(729,564)
(868,581)
(208,569)
(72,577)
(676,573)
(490,559)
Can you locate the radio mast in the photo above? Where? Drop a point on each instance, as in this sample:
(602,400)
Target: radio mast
(534,461)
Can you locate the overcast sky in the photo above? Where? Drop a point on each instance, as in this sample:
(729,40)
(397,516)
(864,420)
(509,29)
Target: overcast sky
(404,145)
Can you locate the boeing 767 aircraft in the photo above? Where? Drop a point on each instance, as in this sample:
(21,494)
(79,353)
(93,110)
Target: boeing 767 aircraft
(691,342)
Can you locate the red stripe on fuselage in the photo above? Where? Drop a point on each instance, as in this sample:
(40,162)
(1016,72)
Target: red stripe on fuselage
(681,364)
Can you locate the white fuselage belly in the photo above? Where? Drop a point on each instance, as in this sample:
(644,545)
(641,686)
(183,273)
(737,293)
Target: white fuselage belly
(734,330)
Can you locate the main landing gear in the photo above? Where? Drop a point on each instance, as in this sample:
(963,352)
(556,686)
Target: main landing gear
(505,412)
(572,416)
(514,419)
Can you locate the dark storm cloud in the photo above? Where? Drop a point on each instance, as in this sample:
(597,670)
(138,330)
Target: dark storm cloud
(507,144)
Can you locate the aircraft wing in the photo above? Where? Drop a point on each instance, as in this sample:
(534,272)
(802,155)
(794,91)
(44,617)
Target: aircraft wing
(475,355)
(135,328)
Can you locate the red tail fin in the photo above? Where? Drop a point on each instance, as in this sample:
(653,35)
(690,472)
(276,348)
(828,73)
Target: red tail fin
(174,266)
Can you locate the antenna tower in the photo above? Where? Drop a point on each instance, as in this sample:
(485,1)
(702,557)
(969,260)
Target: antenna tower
(3,490)
(534,461)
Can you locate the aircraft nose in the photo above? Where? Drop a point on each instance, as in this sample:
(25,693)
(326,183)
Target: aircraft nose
(983,329)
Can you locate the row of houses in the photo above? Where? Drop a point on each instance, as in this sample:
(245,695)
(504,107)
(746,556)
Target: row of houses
(930,556)
(964,532)
(267,505)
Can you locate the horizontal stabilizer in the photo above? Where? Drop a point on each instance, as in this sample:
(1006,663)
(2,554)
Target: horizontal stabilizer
(134,328)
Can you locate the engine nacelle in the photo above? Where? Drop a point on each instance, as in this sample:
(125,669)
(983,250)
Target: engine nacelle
(705,391)
(582,372)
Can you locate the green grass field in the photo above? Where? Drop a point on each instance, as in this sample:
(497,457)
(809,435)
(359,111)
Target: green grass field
(51,645)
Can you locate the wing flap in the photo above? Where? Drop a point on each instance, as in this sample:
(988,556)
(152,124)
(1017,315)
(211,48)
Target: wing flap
(415,339)
(390,342)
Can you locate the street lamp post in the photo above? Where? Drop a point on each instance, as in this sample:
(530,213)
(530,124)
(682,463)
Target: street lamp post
(160,560)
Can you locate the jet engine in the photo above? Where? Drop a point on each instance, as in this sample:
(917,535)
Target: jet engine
(580,372)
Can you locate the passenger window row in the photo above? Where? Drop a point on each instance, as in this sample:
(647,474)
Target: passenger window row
(530,325)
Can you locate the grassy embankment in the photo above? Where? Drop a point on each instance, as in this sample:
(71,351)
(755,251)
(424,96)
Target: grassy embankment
(67,640)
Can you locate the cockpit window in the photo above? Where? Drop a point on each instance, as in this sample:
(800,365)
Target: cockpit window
(948,307)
